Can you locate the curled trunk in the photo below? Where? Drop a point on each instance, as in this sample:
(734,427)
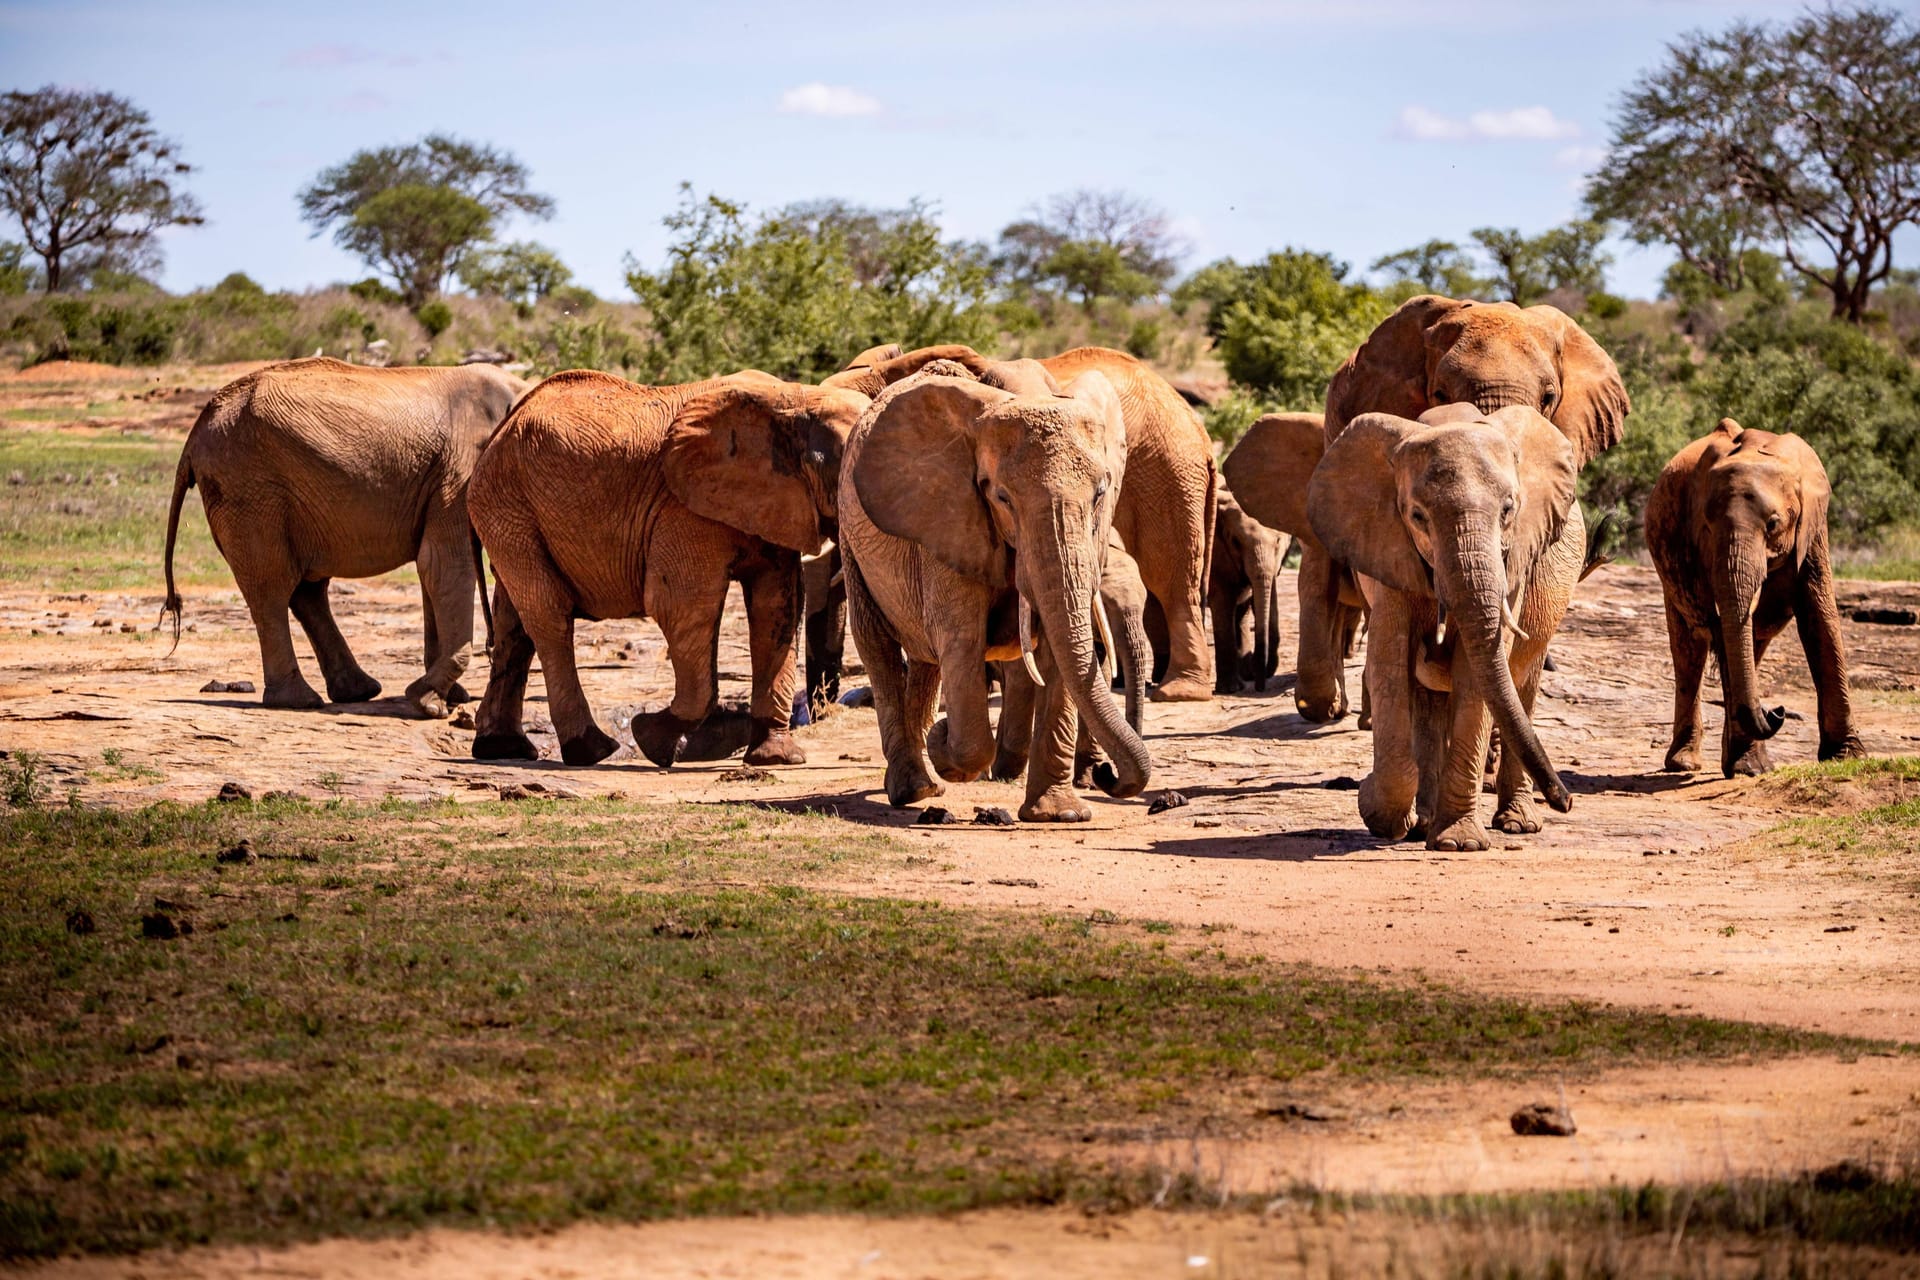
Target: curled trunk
(1741,571)
(1477,613)
(1063,580)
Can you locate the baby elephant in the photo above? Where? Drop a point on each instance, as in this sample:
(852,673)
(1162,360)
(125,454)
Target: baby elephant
(1737,526)
(314,470)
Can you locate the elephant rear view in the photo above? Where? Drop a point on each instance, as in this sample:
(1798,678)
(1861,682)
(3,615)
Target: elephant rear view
(314,470)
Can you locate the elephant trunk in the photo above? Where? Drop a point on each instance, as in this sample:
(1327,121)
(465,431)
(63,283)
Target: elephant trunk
(1265,628)
(1474,587)
(1742,569)
(1063,580)
(1136,661)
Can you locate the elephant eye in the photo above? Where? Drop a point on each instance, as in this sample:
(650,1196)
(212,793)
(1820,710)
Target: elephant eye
(1000,496)
(1100,490)
(1547,399)
(1774,522)
(1506,511)
(1420,518)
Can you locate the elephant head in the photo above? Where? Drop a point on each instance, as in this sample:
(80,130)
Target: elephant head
(1456,508)
(1765,500)
(1012,490)
(1247,551)
(1436,351)
(763,457)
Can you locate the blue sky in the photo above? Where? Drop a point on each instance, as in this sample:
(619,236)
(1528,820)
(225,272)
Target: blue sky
(1359,128)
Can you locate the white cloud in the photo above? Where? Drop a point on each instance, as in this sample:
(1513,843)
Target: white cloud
(1580,156)
(1526,124)
(835,101)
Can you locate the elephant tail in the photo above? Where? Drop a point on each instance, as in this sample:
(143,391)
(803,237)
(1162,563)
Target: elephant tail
(480,575)
(182,481)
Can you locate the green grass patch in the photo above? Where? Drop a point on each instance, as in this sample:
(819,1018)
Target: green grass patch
(530,1014)
(83,514)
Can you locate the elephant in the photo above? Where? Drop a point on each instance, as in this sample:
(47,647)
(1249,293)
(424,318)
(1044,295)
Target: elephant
(601,499)
(974,515)
(1433,351)
(1267,471)
(1243,585)
(1737,528)
(1165,515)
(1455,523)
(313,470)
(824,589)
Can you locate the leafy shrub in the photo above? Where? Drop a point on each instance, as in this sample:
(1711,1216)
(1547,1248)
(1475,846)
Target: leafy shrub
(1283,325)
(374,290)
(434,317)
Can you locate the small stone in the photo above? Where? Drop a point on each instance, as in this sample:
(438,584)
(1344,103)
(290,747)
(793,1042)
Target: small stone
(933,816)
(79,922)
(992,817)
(1166,800)
(462,719)
(1016,882)
(748,773)
(159,926)
(103,622)
(239,853)
(1206,824)
(127,628)
(1543,1119)
(231,792)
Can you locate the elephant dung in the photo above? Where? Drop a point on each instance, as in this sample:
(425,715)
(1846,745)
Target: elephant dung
(1544,1119)
(992,817)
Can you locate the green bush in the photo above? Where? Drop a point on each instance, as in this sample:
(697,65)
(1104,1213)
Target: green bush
(434,317)
(374,290)
(1283,325)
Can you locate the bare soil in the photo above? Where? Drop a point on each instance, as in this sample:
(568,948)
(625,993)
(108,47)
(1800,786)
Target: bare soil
(1652,892)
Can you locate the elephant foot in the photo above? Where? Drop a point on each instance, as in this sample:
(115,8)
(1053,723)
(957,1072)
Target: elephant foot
(1389,822)
(1316,712)
(1748,761)
(1056,804)
(590,747)
(1683,756)
(908,783)
(428,701)
(457,694)
(1519,816)
(1462,835)
(294,695)
(773,745)
(1848,748)
(661,736)
(1226,688)
(354,686)
(1183,689)
(504,746)
(945,763)
(1008,766)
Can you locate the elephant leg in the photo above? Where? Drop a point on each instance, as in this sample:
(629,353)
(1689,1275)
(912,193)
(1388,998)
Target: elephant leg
(961,744)
(346,682)
(689,617)
(1187,679)
(268,602)
(1819,623)
(898,696)
(1689,649)
(1455,825)
(430,648)
(497,733)
(1015,737)
(1226,641)
(773,597)
(1388,794)
(827,637)
(1050,793)
(1431,715)
(1319,692)
(446,587)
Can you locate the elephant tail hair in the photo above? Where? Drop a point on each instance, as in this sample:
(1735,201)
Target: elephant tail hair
(1599,543)
(182,481)
(480,575)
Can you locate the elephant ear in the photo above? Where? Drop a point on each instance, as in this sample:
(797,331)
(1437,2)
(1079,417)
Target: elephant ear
(1593,404)
(1095,390)
(1548,470)
(1269,468)
(1810,534)
(1021,377)
(1353,501)
(916,471)
(736,456)
(905,366)
(1389,372)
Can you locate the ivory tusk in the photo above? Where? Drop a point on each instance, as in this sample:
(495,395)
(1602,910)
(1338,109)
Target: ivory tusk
(1506,616)
(1106,637)
(1026,643)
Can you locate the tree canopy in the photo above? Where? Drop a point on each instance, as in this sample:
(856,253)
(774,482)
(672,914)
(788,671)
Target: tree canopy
(90,182)
(414,211)
(1092,245)
(1803,138)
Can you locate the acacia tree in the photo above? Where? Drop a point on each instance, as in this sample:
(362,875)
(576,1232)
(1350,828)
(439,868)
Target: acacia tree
(414,211)
(1804,138)
(89,180)
(1092,244)
(1527,268)
(1438,266)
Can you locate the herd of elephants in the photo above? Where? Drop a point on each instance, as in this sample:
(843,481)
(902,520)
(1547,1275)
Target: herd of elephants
(979,522)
